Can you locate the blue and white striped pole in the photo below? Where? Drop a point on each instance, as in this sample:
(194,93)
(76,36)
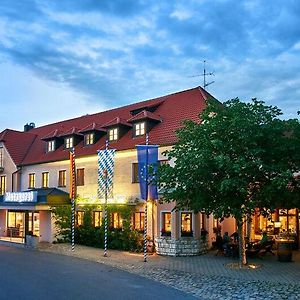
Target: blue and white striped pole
(73,187)
(146,203)
(105,206)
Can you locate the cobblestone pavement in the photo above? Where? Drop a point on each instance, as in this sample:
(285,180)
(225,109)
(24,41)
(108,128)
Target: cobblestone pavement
(206,276)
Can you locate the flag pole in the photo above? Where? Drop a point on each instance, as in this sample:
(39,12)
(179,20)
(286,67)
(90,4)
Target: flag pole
(105,203)
(146,201)
(72,156)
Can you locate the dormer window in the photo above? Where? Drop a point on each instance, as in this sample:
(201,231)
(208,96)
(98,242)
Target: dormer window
(69,142)
(89,139)
(113,134)
(139,129)
(51,146)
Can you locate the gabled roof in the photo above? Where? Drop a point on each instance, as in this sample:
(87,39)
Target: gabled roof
(52,135)
(144,115)
(70,132)
(92,127)
(17,143)
(29,148)
(116,121)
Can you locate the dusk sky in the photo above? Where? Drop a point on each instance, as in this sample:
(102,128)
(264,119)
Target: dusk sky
(66,58)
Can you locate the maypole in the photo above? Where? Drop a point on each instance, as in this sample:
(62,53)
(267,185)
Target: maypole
(72,195)
(105,203)
(146,200)
(105,183)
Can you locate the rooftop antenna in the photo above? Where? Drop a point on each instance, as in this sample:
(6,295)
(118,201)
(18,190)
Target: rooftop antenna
(204,76)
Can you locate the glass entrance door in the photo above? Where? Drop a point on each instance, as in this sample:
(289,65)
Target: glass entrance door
(16,224)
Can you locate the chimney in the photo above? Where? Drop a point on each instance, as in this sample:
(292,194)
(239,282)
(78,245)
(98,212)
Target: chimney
(29,126)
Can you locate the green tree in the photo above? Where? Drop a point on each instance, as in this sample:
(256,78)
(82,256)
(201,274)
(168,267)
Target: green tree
(238,157)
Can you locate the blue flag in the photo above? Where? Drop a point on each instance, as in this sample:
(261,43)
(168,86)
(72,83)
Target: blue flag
(147,168)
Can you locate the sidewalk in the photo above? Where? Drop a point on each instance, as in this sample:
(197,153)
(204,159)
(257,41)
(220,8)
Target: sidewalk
(205,276)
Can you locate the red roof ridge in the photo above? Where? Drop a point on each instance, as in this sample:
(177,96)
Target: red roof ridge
(73,130)
(91,127)
(144,114)
(116,121)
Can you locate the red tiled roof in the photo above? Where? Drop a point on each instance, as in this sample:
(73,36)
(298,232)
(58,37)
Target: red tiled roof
(173,109)
(92,127)
(143,115)
(72,131)
(17,143)
(116,121)
(52,135)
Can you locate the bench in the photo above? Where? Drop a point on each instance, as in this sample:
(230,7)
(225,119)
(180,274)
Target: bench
(260,250)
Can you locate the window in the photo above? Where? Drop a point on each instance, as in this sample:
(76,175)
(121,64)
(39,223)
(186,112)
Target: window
(80,177)
(166,224)
(45,179)
(69,142)
(113,134)
(62,179)
(138,221)
(2,185)
(186,224)
(79,218)
(31,184)
(97,218)
(1,157)
(51,146)
(139,129)
(89,139)
(135,173)
(116,221)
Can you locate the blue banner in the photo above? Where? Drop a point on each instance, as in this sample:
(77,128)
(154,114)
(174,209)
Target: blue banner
(147,168)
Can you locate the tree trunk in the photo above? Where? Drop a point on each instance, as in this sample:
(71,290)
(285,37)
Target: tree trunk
(242,247)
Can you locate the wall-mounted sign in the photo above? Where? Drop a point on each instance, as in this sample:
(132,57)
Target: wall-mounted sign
(19,197)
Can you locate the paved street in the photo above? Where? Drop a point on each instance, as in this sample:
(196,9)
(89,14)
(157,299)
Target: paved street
(28,274)
(205,276)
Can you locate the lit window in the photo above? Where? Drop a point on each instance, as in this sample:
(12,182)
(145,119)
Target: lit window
(2,185)
(186,224)
(50,146)
(69,142)
(79,218)
(139,129)
(31,184)
(113,134)
(89,139)
(62,180)
(97,218)
(45,179)
(116,221)
(138,221)
(166,224)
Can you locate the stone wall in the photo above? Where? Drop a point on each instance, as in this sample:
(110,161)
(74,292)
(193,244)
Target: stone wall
(185,246)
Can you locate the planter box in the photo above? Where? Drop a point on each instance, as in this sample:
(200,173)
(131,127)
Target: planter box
(32,241)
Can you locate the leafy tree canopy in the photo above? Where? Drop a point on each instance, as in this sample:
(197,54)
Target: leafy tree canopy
(238,157)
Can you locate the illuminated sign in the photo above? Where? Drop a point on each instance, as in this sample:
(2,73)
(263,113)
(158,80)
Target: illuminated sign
(21,197)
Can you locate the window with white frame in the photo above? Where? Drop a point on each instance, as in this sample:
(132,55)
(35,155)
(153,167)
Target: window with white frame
(45,179)
(2,185)
(139,129)
(31,180)
(89,139)
(51,146)
(113,134)
(69,142)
